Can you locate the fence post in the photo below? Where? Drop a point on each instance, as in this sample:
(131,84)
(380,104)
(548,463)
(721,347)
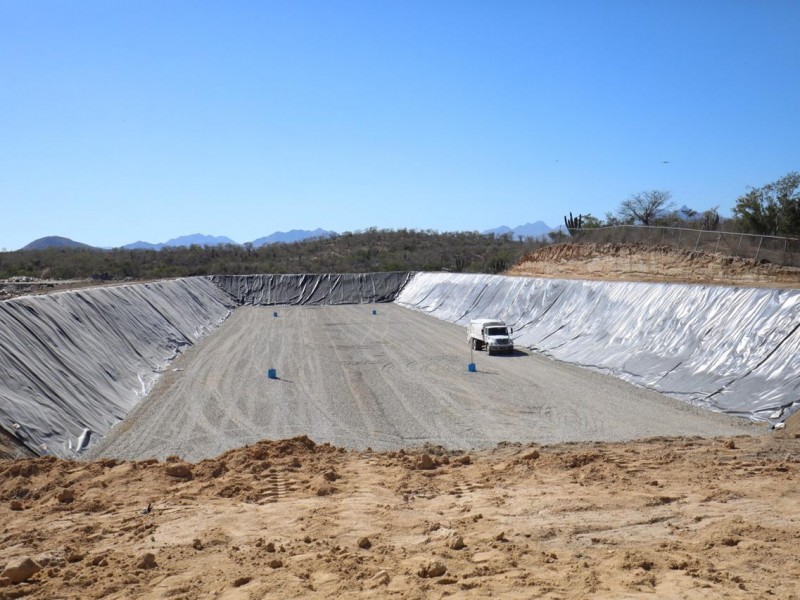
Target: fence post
(680,233)
(739,245)
(760,240)
(719,237)
(785,243)
(697,243)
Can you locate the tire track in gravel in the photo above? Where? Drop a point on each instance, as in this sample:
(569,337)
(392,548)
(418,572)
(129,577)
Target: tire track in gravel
(380,402)
(451,404)
(361,348)
(473,393)
(391,380)
(313,380)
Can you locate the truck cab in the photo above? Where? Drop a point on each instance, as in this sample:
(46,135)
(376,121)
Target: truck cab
(491,334)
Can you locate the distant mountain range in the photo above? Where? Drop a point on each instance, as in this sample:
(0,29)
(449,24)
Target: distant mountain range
(185,240)
(295,235)
(539,229)
(529,230)
(199,239)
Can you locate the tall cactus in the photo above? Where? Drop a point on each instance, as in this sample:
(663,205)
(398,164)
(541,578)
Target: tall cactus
(574,224)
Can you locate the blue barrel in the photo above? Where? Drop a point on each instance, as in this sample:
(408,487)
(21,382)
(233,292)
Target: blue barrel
(374,312)
(275,314)
(272,374)
(471,368)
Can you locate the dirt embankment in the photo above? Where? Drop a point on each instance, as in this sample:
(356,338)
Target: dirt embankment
(679,517)
(639,262)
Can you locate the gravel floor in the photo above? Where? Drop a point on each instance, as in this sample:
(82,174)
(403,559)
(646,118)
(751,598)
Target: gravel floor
(392,380)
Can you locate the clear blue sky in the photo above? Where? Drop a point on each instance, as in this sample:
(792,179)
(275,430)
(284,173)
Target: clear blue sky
(125,120)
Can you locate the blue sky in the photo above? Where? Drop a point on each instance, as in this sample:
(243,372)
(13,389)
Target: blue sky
(127,120)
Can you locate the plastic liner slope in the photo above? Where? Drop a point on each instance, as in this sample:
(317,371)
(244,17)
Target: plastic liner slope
(313,289)
(74,363)
(734,350)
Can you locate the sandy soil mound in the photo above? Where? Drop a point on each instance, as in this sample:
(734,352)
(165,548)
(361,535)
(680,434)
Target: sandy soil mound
(639,262)
(682,517)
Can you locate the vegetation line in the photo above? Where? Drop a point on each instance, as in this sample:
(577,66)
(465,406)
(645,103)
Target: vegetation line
(373,250)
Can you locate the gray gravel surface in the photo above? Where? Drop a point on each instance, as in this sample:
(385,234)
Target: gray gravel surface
(387,381)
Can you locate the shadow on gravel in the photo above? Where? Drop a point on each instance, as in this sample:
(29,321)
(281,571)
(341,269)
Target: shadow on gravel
(515,354)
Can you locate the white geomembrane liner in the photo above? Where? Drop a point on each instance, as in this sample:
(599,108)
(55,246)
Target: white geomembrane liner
(733,350)
(313,288)
(72,364)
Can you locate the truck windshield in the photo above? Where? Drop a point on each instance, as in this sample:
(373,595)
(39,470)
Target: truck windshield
(496,331)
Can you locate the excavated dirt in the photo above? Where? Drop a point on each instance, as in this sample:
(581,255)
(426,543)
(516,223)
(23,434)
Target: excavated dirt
(638,262)
(665,518)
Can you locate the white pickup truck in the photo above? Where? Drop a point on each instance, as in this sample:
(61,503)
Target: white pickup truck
(490,334)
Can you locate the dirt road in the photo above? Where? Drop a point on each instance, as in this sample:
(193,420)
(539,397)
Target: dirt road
(393,380)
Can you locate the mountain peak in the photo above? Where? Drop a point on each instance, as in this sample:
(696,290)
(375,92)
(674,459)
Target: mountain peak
(54,241)
(199,239)
(529,230)
(287,237)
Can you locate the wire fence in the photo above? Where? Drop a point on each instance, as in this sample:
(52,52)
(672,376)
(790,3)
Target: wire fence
(761,248)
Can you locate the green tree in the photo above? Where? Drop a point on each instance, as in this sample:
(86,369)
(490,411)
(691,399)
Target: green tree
(645,206)
(612,220)
(591,222)
(773,209)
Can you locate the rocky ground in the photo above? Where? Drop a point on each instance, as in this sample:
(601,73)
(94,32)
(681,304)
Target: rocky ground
(668,518)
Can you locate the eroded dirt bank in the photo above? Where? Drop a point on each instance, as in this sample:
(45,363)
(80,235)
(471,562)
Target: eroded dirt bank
(639,262)
(675,518)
